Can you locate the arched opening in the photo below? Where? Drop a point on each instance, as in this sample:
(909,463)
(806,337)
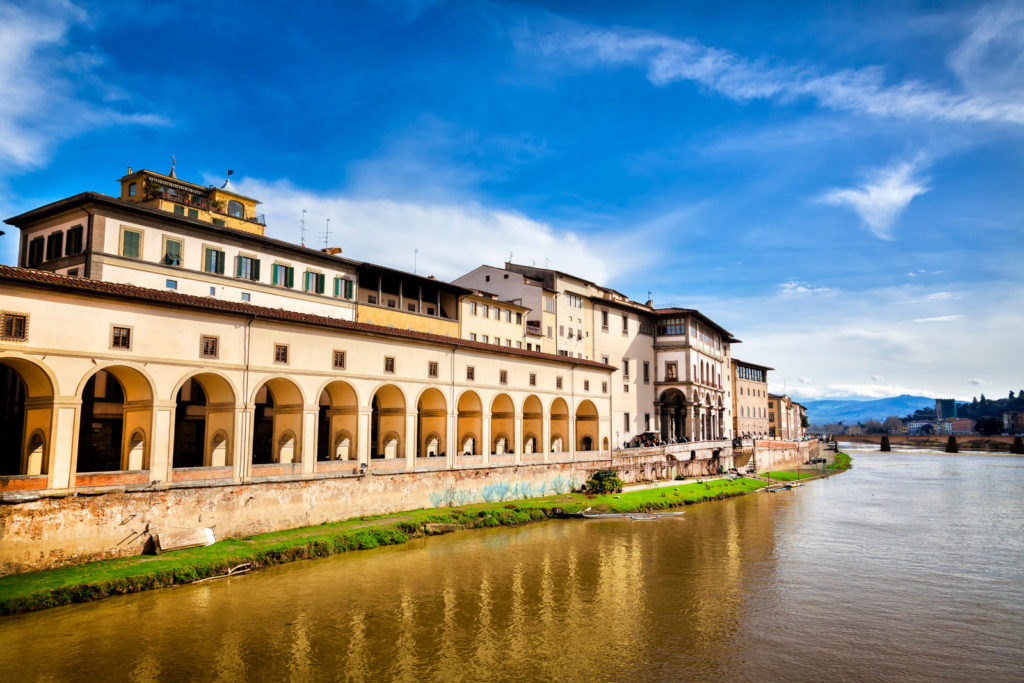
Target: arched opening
(26,411)
(236,209)
(387,423)
(337,422)
(431,424)
(559,426)
(533,424)
(469,423)
(117,414)
(604,443)
(586,426)
(503,417)
(205,407)
(277,423)
(673,415)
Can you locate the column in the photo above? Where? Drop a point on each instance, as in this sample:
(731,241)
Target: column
(517,445)
(161,448)
(363,436)
(63,443)
(545,437)
(309,435)
(451,440)
(411,441)
(572,436)
(485,438)
(241,449)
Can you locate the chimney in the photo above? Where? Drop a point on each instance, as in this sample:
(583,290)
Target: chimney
(649,303)
(129,170)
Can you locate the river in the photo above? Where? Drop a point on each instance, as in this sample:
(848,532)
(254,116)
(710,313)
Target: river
(907,567)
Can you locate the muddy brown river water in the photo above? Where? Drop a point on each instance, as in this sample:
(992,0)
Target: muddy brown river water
(907,567)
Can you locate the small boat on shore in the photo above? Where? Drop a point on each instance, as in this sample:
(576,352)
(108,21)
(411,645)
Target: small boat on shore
(776,489)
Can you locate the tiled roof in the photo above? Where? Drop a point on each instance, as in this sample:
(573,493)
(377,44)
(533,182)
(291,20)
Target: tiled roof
(77,285)
(737,361)
(693,311)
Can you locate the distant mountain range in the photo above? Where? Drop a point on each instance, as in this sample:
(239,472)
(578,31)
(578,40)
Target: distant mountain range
(850,411)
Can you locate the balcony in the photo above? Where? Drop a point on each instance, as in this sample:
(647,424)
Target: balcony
(195,201)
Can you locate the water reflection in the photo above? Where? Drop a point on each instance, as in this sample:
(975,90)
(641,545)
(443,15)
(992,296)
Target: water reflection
(915,561)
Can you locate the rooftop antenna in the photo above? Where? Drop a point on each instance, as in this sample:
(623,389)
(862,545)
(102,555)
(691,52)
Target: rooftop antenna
(415,260)
(546,263)
(510,256)
(327,234)
(302,222)
(173,162)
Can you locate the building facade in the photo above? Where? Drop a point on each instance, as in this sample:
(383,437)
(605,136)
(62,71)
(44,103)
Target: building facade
(750,399)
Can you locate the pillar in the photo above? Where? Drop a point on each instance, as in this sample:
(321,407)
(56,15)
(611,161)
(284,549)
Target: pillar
(517,445)
(451,442)
(63,443)
(309,436)
(485,437)
(363,437)
(411,439)
(545,437)
(161,442)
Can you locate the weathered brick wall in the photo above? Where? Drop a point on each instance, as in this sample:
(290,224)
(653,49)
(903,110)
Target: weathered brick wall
(781,455)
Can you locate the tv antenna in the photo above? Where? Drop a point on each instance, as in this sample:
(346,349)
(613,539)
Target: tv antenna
(327,233)
(302,229)
(546,262)
(415,260)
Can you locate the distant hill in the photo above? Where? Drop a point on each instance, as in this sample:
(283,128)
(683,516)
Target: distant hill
(849,411)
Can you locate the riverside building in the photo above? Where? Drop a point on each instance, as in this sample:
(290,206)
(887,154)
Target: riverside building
(750,399)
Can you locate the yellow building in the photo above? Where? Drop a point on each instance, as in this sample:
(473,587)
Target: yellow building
(750,399)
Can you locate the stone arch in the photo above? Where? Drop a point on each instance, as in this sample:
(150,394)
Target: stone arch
(387,422)
(27,389)
(277,409)
(503,421)
(205,405)
(469,423)
(337,414)
(117,402)
(672,408)
(587,426)
(533,424)
(431,423)
(559,426)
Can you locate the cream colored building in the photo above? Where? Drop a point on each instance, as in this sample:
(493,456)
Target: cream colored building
(785,417)
(161,386)
(750,399)
(489,320)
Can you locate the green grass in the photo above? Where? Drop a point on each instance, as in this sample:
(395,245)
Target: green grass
(783,475)
(95,580)
(841,462)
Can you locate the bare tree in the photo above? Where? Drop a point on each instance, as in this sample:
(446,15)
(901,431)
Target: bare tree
(892,425)
(872,426)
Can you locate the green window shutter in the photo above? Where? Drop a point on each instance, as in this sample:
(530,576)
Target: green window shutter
(131,244)
(238,266)
(290,276)
(256,269)
(349,286)
(320,283)
(219,260)
(337,286)
(274,271)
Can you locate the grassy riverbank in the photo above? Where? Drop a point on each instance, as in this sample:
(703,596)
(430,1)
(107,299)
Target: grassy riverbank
(783,475)
(96,580)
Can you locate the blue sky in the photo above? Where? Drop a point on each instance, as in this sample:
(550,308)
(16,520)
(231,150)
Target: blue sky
(839,184)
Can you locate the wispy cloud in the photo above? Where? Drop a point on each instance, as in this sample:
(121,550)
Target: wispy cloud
(974,382)
(796,288)
(883,197)
(49,92)
(939,319)
(863,90)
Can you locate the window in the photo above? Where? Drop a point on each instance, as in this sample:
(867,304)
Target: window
(246,296)
(472,308)
(519,318)
(15,327)
(604,387)
(209,347)
(314,282)
(605,360)
(558,383)
(561,330)
(647,372)
(389,364)
(647,422)
(131,243)
(551,332)
(411,307)
(470,373)
(604,320)
(432,369)
(73,244)
(625,388)
(430,310)
(247,267)
(519,344)
(213,291)
(285,276)
(586,385)
(671,371)
(121,337)
(193,213)
(485,339)
(503,377)
(671,326)
(625,421)
(35,251)
(344,287)
(472,336)
(533,379)
(172,252)
(508,316)
(574,300)
(625,324)
(54,245)
(73,272)
(171,284)
(179,209)
(280,353)
(392,303)
(625,368)
(508,343)
(213,261)
(549,305)
(236,209)
(487,278)
(219,221)
(338,360)
(485,310)
(133,189)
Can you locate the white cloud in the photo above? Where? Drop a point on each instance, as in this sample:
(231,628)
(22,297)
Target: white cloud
(797,288)
(45,89)
(880,200)
(452,238)
(876,378)
(862,90)
(939,319)
(975,382)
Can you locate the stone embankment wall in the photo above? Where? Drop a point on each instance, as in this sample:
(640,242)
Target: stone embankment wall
(781,455)
(69,529)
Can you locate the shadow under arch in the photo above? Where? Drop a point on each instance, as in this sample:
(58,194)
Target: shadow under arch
(469,423)
(277,411)
(387,422)
(337,422)
(587,425)
(205,406)
(116,420)
(27,390)
(431,424)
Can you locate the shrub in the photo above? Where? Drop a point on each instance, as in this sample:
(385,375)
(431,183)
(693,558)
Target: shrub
(605,481)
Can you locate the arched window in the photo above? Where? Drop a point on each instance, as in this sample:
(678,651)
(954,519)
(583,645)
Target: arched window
(236,209)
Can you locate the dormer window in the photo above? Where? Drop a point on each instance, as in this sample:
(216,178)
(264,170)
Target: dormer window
(132,189)
(236,209)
